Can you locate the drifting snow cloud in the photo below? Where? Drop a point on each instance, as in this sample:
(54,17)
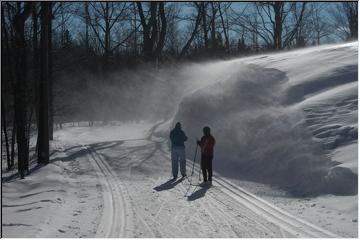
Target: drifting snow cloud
(257,138)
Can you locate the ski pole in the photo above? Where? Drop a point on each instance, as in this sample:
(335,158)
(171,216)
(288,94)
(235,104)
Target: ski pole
(193,166)
(199,171)
(192,171)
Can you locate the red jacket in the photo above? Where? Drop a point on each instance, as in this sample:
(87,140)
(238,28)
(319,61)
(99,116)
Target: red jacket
(207,144)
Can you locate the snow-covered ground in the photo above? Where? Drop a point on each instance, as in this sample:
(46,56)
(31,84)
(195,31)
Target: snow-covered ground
(285,160)
(275,115)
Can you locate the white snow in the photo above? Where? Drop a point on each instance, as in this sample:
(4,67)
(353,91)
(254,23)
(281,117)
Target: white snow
(285,160)
(277,114)
(62,199)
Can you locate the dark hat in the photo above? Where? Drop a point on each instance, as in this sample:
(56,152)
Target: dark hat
(206,129)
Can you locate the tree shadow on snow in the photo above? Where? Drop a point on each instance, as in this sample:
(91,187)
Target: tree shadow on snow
(15,224)
(107,144)
(16,175)
(72,155)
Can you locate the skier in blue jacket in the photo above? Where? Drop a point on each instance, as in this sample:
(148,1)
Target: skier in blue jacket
(178,137)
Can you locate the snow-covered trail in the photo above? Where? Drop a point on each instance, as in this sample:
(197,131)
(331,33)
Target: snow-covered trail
(110,185)
(140,201)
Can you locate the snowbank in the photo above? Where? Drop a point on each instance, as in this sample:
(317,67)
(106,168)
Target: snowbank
(62,199)
(263,138)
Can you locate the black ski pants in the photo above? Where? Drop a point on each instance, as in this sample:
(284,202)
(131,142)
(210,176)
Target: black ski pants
(206,167)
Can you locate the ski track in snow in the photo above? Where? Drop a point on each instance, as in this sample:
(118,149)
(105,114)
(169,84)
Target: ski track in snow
(129,170)
(293,225)
(224,210)
(114,219)
(285,221)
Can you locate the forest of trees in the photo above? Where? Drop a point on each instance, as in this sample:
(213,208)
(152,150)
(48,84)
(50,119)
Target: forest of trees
(48,46)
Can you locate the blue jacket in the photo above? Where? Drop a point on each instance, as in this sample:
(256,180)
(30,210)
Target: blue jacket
(177,137)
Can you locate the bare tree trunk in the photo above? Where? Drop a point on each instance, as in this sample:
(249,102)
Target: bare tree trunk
(3,116)
(62,25)
(188,43)
(278,12)
(20,85)
(11,71)
(204,24)
(351,9)
(152,43)
(154,29)
(43,131)
(13,140)
(161,42)
(36,66)
(50,80)
(87,22)
(135,31)
(3,123)
(213,28)
(147,39)
(227,44)
(106,38)
(291,35)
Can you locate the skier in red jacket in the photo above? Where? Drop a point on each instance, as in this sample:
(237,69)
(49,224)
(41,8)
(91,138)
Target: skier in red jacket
(207,144)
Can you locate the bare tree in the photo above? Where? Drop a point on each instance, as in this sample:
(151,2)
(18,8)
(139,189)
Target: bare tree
(203,6)
(3,124)
(103,18)
(207,19)
(23,11)
(213,26)
(351,11)
(344,20)
(43,131)
(153,33)
(225,26)
(296,25)
(251,20)
(50,75)
(271,23)
(4,52)
(199,18)
(173,37)
(87,25)
(320,25)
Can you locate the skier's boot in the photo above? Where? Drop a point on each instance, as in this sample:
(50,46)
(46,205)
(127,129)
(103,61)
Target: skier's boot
(203,184)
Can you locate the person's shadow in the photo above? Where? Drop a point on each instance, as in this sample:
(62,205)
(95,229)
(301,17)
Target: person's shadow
(198,193)
(167,185)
